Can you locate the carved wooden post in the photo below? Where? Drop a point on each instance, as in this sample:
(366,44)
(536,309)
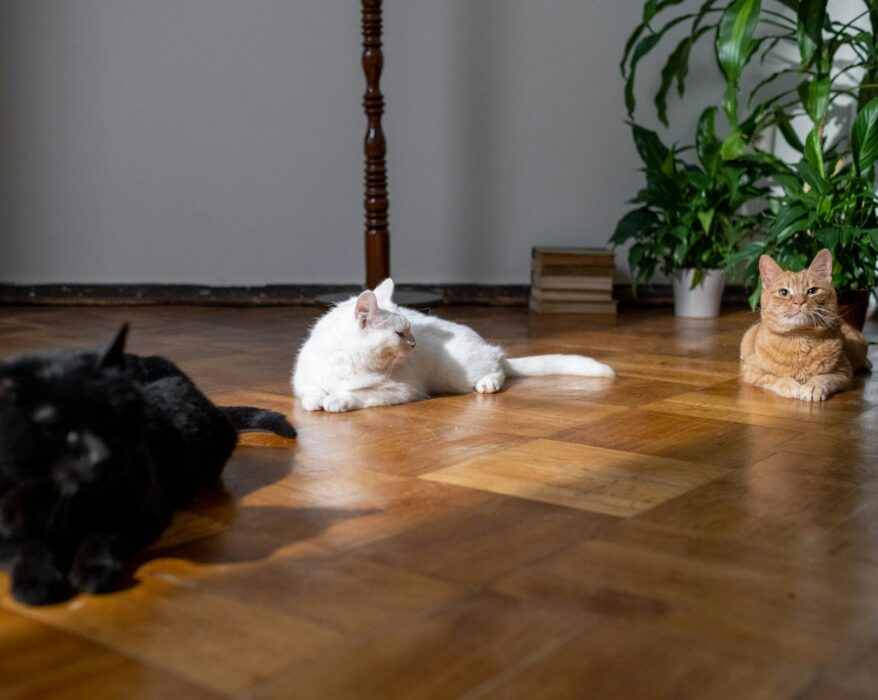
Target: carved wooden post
(376,202)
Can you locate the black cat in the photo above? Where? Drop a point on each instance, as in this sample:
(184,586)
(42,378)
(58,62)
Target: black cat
(97,450)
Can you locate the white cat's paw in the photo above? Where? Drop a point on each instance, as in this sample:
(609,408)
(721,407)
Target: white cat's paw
(813,391)
(788,388)
(312,402)
(339,403)
(312,399)
(490,383)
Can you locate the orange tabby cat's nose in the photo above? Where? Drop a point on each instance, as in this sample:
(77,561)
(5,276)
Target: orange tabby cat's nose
(798,301)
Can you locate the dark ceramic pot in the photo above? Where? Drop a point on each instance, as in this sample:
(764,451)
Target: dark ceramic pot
(852,306)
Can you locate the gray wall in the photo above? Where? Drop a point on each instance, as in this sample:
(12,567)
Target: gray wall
(219,141)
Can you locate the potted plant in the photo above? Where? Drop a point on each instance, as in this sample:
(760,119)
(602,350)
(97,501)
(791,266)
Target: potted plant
(689,220)
(828,202)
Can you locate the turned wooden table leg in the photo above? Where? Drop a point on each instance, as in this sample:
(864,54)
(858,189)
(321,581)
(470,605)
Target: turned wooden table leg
(376,202)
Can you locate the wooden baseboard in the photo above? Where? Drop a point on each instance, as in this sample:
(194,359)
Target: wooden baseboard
(207,295)
(663,295)
(298,294)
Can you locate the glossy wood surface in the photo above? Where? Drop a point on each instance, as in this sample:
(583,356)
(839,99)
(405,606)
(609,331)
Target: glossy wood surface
(671,533)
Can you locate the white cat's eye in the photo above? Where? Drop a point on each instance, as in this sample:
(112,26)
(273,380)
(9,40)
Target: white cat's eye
(783,292)
(400,334)
(813,290)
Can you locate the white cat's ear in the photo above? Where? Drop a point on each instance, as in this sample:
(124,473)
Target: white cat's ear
(366,308)
(384,291)
(768,270)
(821,266)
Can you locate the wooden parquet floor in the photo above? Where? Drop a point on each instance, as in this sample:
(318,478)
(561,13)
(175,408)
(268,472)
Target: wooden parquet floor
(667,534)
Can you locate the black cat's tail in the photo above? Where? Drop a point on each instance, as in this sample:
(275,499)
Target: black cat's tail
(247,418)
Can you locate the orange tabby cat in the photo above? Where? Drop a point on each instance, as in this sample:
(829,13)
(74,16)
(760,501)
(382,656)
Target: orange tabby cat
(801,349)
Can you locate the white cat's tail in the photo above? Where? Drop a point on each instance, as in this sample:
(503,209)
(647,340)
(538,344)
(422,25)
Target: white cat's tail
(539,365)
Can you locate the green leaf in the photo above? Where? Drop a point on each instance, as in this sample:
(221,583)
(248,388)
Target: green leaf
(634,223)
(632,40)
(732,177)
(814,95)
(828,237)
(782,119)
(811,18)
(814,151)
(706,143)
(734,36)
(680,254)
(653,7)
(671,69)
(791,185)
(864,138)
(734,146)
(770,79)
(643,47)
(756,121)
(652,151)
(636,254)
(756,295)
(734,46)
(699,180)
(812,177)
(706,219)
(789,221)
(676,67)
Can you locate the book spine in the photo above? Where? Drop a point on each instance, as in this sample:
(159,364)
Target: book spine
(558,282)
(572,270)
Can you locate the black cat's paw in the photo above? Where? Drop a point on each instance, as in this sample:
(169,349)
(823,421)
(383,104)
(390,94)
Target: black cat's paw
(96,576)
(39,583)
(11,516)
(24,511)
(97,565)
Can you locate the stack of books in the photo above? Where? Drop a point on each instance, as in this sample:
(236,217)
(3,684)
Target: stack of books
(572,281)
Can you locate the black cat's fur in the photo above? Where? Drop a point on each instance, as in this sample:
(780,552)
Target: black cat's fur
(97,450)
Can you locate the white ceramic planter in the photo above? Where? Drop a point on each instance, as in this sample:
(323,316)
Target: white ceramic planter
(704,300)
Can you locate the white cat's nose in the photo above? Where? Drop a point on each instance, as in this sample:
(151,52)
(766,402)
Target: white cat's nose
(411,343)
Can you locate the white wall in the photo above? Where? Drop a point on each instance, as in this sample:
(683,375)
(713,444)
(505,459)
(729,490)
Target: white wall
(220,141)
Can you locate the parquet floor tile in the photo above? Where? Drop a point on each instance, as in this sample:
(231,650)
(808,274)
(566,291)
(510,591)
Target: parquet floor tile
(667,533)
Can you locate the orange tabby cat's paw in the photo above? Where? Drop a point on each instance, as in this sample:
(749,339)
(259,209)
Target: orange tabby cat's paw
(788,387)
(813,391)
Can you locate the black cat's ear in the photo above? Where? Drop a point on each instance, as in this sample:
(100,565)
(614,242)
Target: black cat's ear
(7,389)
(112,354)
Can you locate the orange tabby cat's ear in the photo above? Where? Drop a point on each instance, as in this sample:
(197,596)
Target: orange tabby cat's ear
(768,270)
(822,266)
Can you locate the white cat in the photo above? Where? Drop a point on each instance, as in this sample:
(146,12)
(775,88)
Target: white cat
(367,351)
